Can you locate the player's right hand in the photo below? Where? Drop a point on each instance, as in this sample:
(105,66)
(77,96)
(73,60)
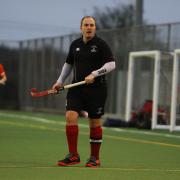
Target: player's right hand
(57,86)
(2,82)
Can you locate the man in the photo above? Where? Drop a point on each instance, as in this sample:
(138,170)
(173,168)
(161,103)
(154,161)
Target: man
(3,77)
(90,58)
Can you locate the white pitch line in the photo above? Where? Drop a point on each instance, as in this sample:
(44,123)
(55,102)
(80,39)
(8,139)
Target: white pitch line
(105,135)
(147,133)
(37,119)
(47,121)
(99,168)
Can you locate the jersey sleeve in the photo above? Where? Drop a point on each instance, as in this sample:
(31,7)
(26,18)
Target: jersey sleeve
(107,55)
(70,58)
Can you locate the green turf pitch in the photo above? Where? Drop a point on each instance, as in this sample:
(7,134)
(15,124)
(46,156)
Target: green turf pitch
(31,144)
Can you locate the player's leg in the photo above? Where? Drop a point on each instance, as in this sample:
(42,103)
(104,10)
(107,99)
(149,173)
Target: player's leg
(72,139)
(95,142)
(95,107)
(72,131)
(72,113)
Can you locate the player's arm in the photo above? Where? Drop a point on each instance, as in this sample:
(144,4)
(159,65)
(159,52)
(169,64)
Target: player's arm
(108,65)
(106,68)
(66,70)
(3,78)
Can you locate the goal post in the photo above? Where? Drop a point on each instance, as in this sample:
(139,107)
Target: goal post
(133,56)
(175,101)
(150,80)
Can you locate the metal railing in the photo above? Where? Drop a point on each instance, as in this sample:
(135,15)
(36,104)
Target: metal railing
(39,63)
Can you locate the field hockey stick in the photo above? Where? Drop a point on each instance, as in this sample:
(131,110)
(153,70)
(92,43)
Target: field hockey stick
(35,93)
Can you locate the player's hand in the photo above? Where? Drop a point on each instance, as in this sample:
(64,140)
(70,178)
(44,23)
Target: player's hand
(2,82)
(89,79)
(57,86)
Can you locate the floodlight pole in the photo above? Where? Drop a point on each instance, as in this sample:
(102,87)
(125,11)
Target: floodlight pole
(139,12)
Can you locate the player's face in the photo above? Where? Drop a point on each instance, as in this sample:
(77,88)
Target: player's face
(88,28)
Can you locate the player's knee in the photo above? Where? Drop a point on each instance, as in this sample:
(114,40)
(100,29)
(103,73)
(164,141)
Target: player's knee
(71,118)
(93,123)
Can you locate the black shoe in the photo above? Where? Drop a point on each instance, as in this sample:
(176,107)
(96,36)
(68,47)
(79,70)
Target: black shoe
(70,159)
(93,162)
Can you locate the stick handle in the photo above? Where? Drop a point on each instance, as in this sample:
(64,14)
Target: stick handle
(74,84)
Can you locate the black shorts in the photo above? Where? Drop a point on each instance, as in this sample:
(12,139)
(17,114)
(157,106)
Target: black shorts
(88,98)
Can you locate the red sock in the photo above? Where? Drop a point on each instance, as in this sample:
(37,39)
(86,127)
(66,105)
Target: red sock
(95,140)
(72,138)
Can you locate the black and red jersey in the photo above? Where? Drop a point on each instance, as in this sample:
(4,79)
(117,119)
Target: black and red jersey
(88,57)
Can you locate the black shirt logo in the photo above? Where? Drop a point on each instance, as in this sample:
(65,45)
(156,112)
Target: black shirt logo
(93,48)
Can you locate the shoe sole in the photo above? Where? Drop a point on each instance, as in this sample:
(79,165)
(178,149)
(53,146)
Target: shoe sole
(92,166)
(69,164)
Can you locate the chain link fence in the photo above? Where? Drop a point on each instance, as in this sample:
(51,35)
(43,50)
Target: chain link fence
(38,62)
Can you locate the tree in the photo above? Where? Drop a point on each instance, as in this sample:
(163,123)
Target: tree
(114,17)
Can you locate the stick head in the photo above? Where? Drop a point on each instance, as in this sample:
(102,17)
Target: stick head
(33,91)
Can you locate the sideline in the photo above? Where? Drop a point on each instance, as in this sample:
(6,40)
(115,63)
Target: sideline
(42,127)
(47,121)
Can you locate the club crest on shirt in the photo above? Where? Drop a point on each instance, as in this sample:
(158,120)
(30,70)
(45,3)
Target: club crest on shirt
(99,110)
(93,48)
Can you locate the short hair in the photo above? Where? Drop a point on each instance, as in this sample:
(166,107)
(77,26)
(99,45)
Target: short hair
(87,17)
